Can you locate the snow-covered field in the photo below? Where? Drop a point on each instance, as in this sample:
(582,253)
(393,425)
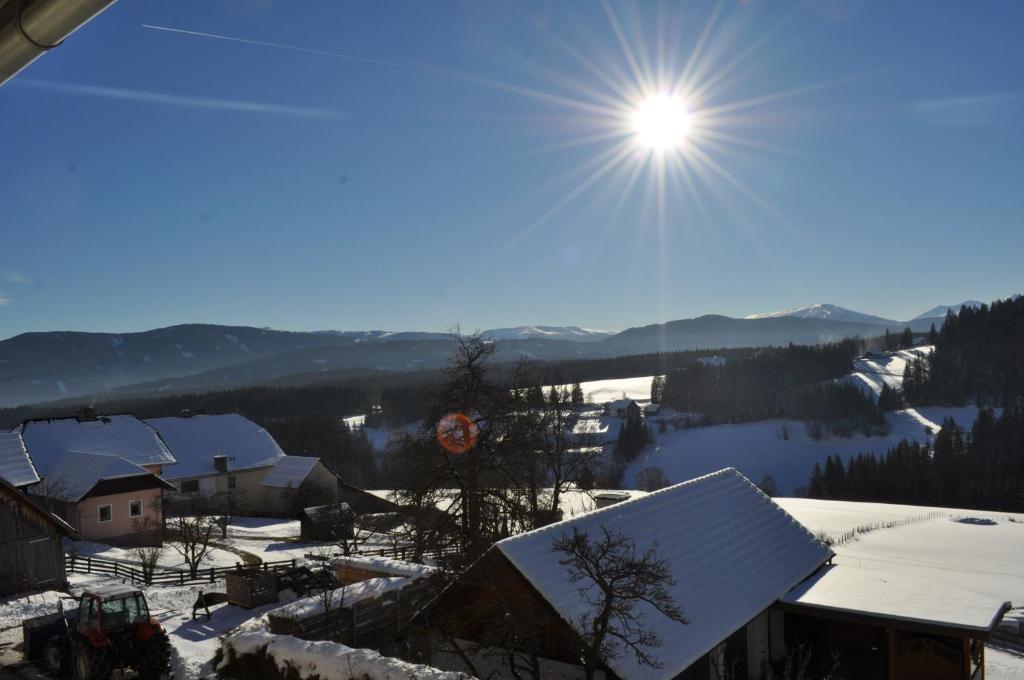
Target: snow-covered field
(871,372)
(758,449)
(601,391)
(169,558)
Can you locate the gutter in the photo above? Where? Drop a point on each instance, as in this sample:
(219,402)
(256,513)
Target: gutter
(29,29)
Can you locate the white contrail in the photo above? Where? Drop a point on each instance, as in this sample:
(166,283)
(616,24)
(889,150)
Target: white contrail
(322,53)
(179,100)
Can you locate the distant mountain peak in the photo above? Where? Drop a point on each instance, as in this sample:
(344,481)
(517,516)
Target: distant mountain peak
(823,311)
(939,311)
(548,333)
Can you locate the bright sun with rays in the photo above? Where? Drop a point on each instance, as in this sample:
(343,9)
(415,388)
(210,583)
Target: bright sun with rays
(662,122)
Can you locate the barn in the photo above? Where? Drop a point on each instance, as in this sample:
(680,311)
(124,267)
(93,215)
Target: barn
(755,585)
(31,555)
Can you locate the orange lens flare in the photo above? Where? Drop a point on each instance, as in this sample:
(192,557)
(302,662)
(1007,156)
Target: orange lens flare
(457,433)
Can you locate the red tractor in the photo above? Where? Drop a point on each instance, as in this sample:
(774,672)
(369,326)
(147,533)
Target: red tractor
(112,629)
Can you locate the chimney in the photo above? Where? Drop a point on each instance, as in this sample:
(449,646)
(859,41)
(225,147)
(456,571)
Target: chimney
(220,462)
(85,414)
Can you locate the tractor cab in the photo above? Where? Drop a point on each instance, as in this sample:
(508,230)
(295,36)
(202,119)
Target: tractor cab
(111,610)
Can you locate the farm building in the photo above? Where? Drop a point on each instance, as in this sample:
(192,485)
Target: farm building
(100,473)
(15,465)
(228,458)
(624,408)
(753,584)
(31,555)
(326,522)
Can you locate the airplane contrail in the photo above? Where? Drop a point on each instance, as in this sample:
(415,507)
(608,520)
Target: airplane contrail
(322,53)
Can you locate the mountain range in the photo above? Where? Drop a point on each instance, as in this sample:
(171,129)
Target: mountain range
(47,366)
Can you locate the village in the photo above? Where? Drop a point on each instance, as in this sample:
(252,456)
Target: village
(248,558)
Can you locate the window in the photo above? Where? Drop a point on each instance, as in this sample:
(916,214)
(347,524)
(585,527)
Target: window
(190,486)
(135,509)
(105,513)
(231,482)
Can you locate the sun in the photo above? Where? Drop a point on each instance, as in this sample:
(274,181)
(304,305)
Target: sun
(662,122)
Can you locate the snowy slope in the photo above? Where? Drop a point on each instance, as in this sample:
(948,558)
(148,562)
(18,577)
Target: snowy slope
(757,449)
(824,311)
(871,372)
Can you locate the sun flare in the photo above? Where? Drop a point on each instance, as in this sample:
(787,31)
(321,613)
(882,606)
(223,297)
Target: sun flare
(662,122)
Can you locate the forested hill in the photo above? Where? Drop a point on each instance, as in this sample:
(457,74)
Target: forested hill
(979,357)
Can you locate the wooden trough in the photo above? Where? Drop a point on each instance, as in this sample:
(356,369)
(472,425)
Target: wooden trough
(251,587)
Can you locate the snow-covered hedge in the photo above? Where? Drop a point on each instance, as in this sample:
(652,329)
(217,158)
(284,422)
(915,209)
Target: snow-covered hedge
(385,565)
(340,598)
(259,654)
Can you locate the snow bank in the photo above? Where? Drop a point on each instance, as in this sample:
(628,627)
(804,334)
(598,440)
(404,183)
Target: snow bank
(385,565)
(341,598)
(328,660)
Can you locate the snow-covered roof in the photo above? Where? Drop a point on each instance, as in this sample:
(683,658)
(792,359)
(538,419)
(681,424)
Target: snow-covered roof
(197,439)
(289,471)
(385,565)
(621,404)
(74,473)
(732,551)
(897,597)
(121,435)
(341,598)
(15,465)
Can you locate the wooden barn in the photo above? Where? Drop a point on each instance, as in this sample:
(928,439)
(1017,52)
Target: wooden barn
(326,522)
(31,554)
(754,585)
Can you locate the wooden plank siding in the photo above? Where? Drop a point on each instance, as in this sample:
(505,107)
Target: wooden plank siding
(31,554)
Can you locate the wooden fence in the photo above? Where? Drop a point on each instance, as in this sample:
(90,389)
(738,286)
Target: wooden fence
(163,576)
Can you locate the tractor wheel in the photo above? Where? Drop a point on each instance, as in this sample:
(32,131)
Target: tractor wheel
(156,658)
(55,656)
(91,663)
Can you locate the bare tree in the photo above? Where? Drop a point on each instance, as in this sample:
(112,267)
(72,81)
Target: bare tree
(614,579)
(190,538)
(149,558)
(651,479)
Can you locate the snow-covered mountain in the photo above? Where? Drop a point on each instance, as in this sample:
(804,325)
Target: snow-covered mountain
(824,311)
(548,333)
(940,311)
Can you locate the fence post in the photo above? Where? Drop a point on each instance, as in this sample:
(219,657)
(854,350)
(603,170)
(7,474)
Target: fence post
(213,575)
(88,564)
(293,563)
(181,578)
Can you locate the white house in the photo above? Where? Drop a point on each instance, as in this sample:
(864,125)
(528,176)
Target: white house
(230,458)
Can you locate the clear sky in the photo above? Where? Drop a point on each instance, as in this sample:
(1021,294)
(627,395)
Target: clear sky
(476,162)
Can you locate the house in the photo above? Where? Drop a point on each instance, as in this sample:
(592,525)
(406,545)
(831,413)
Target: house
(228,458)
(31,553)
(100,474)
(624,408)
(753,583)
(15,465)
(652,409)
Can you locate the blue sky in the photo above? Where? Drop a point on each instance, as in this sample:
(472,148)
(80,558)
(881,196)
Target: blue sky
(870,156)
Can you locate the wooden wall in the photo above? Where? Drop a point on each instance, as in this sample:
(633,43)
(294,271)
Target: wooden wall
(31,554)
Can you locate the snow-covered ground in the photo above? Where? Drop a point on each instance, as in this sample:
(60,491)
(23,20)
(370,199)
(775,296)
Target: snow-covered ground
(871,372)
(759,448)
(601,391)
(169,558)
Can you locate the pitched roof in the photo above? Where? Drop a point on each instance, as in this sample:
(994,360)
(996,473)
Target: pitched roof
(289,471)
(621,403)
(75,473)
(195,440)
(23,498)
(897,597)
(15,465)
(731,549)
(118,435)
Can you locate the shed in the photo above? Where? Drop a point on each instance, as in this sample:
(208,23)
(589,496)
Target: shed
(31,554)
(251,587)
(326,522)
